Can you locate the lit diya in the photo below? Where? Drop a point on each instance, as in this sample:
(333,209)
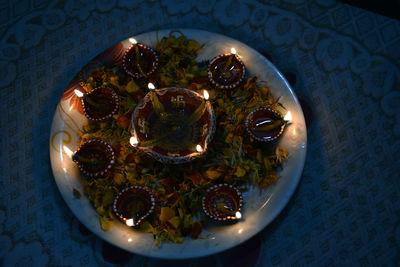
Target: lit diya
(139,60)
(94,158)
(173,125)
(265,124)
(133,205)
(223,202)
(100,104)
(226,71)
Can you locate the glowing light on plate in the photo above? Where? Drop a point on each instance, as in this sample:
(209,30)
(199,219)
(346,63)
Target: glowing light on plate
(233,51)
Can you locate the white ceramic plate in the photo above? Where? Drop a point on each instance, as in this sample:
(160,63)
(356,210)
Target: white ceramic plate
(260,206)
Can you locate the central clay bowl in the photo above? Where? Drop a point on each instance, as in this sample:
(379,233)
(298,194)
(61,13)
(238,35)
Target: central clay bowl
(172,136)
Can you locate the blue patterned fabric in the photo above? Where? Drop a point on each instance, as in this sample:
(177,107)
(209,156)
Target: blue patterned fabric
(343,62)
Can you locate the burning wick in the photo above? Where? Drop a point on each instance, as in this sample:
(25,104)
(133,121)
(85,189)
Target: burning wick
(157,105)
(238,215)
(271,124)
(79,94)
(206,95)
(228,211)
(200,110)
(151,87)
(85,98)
(135,44)
(288,117)
(131,222)
(134,142)
(199,148)
(68,151)
(228,63)
(76,157)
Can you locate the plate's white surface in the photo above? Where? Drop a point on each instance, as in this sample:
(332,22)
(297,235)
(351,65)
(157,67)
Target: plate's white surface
(260,207)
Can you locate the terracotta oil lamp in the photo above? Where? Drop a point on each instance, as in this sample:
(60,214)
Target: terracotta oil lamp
(223,202)
(226,71)
(133,205)
(100,104)
(265,124)
(139,60)
(173,125)
(94,158)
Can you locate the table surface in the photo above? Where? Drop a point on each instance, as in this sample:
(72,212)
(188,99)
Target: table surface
(343,63)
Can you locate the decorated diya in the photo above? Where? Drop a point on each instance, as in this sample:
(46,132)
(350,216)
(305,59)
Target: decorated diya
(94,158)
(223,202)
(173,125)
(139,60)
(265,124)
(133,204)
(226,71)
(100,104)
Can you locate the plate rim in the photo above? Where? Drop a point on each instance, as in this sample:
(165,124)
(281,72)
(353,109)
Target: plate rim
(280,204)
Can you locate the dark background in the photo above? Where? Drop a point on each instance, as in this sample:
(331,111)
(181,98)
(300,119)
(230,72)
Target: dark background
(389,8)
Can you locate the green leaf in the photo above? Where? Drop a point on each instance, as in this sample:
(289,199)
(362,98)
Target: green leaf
(240,172)
(175,222)
(106,223)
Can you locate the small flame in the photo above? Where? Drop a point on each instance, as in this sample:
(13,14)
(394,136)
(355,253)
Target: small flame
(238,215)
(133,140)
(233,51)
(130,239)
(199,148)
(68,151)
(288,117)
(240,230)
(151,87)
(129,222)
(78,93)
(206,95)
(133,40)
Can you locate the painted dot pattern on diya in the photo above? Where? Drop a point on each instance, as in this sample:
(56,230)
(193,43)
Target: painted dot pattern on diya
(265,124)
(140,61)
(173,136)
(133,204)
(94,158)
(222,202)
(226,71)
(100,104)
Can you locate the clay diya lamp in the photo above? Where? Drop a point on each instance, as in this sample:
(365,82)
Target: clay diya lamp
(226,71)
(223,202)
(173,125)
(100,104)
(133,205)
(139,60)
(265,124)
(94,158)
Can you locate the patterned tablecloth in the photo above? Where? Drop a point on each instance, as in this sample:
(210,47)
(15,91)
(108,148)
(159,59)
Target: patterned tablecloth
(343,63)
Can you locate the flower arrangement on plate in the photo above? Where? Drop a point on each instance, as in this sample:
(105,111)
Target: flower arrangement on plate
(232,159)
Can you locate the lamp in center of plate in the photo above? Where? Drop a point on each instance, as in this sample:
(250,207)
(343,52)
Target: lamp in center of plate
(173,125)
